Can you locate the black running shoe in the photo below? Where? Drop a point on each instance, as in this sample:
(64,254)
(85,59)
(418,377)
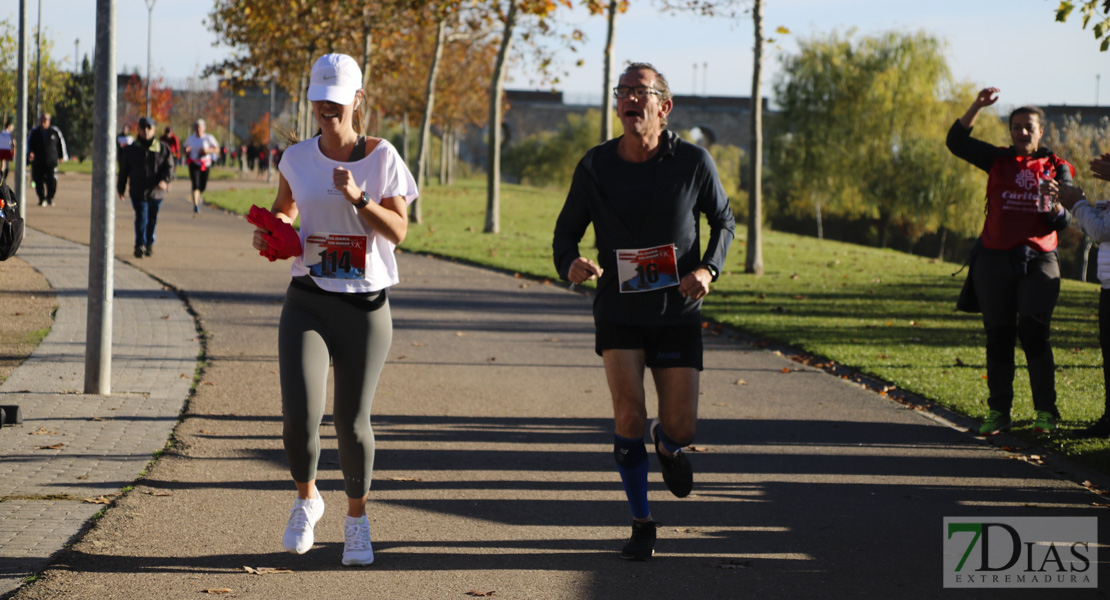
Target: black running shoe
(149,251)
(139,251)
(641,546)
(678,474)
(1101,428)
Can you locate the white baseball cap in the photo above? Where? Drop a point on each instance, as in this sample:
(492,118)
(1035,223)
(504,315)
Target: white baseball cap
(335,78)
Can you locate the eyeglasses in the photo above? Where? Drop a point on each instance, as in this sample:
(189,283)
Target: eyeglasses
(641,92)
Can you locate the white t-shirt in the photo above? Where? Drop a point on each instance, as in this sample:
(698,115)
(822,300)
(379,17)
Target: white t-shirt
(341,252)
(196,143)
(5,139)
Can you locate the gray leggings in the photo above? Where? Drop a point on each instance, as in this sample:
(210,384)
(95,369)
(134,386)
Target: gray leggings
(315,328)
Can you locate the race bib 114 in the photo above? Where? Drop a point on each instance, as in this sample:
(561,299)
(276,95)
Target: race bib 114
(335,256)
(647,269)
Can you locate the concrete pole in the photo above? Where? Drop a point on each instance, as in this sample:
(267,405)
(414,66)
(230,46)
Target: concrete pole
(149,21)
(270,138)
(98,330)
(21,121)
(231,120)
(38,65)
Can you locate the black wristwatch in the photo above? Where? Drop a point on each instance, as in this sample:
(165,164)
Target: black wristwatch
(365,200)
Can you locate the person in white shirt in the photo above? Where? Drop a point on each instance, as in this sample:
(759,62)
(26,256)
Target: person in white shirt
(7,149)
(352,195)
(1093,218)
(125,139)
(199,149)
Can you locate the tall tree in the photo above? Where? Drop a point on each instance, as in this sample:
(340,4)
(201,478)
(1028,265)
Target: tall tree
(509,16)
(76,111)
(496,107)
(610,9)
(858,114)
(753,262)
(424,149)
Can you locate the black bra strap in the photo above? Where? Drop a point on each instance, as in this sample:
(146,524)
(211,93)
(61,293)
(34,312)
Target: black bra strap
(359,151)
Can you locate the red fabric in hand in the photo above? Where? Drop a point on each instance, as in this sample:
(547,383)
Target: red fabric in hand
(282,241)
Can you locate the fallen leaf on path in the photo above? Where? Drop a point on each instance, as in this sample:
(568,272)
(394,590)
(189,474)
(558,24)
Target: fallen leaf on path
(720,404)
(154,493)
(206,432)
(217,591)
(57,446)
(460,333)
(787,370)
(480,593)
(418,344)
(698,449)
(264,570)
(98,500)
(43,431)
(404,479)
(209,383)
(741,382)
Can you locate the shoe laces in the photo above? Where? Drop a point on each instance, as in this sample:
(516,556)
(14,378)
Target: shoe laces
(357,536)
(298,518)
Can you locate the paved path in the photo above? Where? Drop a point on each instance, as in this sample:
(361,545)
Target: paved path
(494,438)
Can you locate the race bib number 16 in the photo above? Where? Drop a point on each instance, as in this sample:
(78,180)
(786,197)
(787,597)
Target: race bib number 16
(335,256)
(647,269)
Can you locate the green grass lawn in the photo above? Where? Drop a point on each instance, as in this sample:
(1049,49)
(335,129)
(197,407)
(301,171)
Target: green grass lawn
(181,172)
(880,312)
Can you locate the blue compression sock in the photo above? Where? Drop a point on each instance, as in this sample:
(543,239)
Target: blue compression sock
(632,463)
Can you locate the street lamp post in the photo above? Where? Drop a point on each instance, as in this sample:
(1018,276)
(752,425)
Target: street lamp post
(76,45)
(38,64)
(149,19)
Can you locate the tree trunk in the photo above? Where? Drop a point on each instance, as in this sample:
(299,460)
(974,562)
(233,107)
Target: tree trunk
(453,158)
(943,241)
(606,103)
(405,140)
(444,139)
(426,125)
(493,170)
(367,48)
(754,262)
(820,223)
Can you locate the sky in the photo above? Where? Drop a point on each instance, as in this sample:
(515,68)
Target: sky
(1014,45)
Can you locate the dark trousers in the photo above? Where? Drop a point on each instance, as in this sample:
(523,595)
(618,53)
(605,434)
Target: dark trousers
(1018,307)
(146,219)
(45,179)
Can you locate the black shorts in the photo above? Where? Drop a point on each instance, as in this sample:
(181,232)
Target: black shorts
(664,346)
(198,177)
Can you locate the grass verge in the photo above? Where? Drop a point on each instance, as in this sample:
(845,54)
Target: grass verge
(881,312)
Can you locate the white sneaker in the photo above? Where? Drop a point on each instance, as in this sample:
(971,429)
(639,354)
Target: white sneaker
(298,536)
(356,543)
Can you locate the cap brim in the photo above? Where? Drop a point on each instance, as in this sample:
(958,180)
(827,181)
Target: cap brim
(332,93)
